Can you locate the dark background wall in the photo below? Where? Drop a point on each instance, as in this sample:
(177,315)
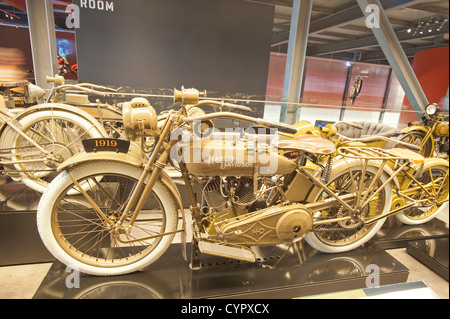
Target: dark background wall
(218,45)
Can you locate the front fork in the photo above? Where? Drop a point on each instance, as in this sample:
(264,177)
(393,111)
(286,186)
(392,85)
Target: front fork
(152,170)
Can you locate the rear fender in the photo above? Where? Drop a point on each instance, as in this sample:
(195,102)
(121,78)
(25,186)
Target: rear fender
(61,107)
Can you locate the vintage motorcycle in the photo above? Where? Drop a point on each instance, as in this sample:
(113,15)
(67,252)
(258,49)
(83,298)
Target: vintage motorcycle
(431,133)
(112,212)
(426,182)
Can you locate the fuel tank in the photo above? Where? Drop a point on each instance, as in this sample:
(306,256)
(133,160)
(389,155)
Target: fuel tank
(228,155)
(441,129)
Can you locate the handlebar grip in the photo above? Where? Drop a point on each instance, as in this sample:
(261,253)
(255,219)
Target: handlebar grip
(237,107)
(286,128)
(411,146)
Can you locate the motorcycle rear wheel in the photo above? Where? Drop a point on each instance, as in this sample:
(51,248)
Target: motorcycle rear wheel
(347,235)
(77,236)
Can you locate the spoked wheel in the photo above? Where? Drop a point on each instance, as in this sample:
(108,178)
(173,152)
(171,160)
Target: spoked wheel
(416,138)
(350,231)
(435,180)
(76,233)
(59,135)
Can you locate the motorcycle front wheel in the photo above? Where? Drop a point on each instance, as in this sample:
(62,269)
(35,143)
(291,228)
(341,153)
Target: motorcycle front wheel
(435,179)
(336,237)
(75,233)
(416,138)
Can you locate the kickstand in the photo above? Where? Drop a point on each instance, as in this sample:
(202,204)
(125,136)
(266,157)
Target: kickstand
(195,256)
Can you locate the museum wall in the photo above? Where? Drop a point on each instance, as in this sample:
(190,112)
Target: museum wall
(207,44)
(432,70)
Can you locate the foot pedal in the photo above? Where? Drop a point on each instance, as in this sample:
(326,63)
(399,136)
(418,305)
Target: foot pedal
(240,253)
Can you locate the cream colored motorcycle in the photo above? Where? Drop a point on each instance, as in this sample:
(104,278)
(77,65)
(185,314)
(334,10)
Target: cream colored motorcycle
(126,210)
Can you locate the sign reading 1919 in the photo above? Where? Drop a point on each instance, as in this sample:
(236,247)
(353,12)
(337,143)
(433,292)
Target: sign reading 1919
(106,145)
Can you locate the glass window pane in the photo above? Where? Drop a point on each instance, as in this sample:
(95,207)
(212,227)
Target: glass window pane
(324,81)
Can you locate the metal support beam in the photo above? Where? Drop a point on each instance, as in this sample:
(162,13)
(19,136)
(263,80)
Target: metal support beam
(295,61)
(369,41)
(345,15)
(43,40)
(410,52)
(395,55)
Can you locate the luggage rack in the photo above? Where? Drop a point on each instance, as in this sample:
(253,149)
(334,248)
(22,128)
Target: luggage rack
(374,153)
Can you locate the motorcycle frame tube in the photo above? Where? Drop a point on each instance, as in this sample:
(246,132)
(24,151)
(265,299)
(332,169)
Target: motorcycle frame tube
(318,186)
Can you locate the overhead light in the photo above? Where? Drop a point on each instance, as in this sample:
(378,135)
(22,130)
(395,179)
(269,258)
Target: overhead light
(444,21)
(428,25)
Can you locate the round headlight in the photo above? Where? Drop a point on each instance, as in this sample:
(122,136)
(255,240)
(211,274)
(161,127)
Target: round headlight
(431,109)
(139,118)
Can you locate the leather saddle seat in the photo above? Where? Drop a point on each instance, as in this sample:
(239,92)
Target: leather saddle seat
(13,84)
(308,143)
(365,129)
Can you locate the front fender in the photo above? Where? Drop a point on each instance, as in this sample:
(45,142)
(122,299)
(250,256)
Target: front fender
(424,130)
(429,162)
(415,128)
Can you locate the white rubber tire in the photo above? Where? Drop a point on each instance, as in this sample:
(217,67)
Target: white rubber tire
(60,183)
(315,242)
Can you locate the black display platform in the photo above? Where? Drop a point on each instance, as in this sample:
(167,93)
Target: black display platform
(19,238)
(281,272)
(433,253)
(395,234)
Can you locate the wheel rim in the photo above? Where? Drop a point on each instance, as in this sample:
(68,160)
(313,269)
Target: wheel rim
(85,236)
(347,232)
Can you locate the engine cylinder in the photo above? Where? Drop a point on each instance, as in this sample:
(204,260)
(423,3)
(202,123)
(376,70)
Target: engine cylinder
(244,194)
(213,195)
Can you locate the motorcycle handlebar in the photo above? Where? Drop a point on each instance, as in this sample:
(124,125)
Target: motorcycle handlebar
(269,124)
(227,105)
(286,128)
(82,88)
(384,138)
